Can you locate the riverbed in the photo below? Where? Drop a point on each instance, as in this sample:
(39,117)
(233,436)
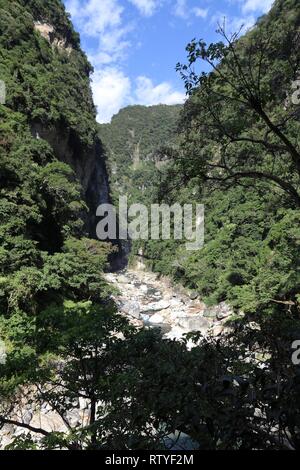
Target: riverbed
(148,299)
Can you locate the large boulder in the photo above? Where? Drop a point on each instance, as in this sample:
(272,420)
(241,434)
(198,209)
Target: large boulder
(210,313)
(176,314)
(84,404)
(131,308)
(123,279)
(27,417)
(144,289)
(193,323)
(223,311)
(156,319)
(176,333)
(193,295)
(217,330)
(176,303)
(156,306)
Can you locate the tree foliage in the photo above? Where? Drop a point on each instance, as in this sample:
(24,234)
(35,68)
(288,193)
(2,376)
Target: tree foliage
(237,152)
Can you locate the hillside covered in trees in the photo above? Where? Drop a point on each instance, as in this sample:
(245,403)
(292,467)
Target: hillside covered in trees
(237,151)
(65,351)
(133,142)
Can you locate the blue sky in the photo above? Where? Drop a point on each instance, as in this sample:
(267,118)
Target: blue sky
(134,45)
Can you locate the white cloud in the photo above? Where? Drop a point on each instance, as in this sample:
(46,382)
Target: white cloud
(146,7)
(147,93)
(112,46)
(95,16)
(250,10)
(200,12)
(111,90)
(257,5)
(233,24)
(103,20)
(183,11)
(237,24)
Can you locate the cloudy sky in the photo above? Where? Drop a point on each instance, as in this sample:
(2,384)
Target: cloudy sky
(134,45)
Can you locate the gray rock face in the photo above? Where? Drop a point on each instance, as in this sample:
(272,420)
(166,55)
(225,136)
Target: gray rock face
(73,417)
(46,408)
(83,403)
(27,417)
(88,164)
(156,319)
(131,308)
(193,323)
(223,311)
(210,313)
(2,352)
(156,306)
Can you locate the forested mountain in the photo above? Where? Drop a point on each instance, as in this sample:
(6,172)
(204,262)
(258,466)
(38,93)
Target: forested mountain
(52,176)
(66,353)
(238,153)
(51,163)
(134,142)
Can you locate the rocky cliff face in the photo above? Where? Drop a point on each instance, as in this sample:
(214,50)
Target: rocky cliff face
(88,164)
(87,161)
(47,78)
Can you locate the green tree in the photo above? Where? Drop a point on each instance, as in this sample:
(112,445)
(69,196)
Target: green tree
(238,123)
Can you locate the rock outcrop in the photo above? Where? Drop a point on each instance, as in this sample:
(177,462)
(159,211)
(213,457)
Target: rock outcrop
(48,32)
(87,162)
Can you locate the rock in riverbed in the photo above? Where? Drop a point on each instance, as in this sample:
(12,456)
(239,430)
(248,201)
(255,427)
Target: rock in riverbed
(156,319)
(131,308)
(156,306)
(193,323)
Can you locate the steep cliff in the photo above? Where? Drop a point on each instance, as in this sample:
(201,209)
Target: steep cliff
(47,78)
(52,176)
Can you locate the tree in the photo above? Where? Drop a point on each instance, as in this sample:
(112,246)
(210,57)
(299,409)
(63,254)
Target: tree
(238,124)
(144,392)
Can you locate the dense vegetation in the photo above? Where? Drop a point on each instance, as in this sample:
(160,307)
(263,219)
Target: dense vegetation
(238,153)
(132,141)
(63,339)
(46,261)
